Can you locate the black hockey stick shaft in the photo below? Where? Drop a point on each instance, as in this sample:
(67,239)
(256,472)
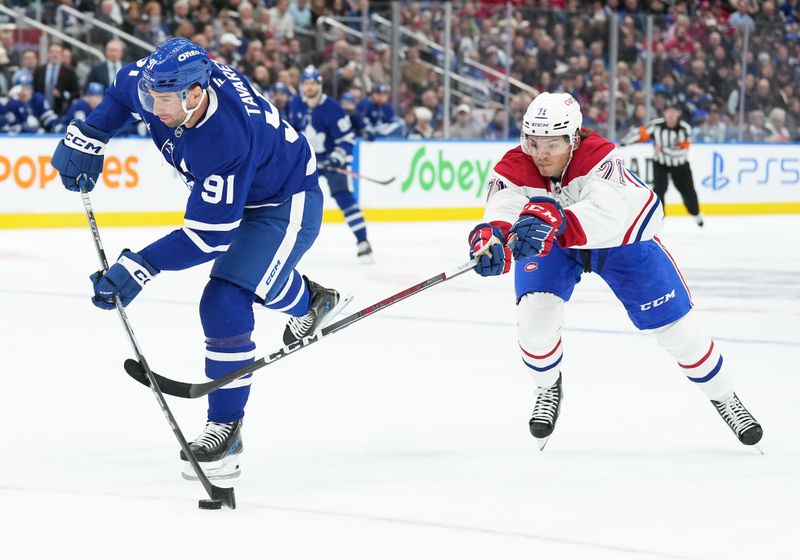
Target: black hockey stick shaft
(357,175)
(194,390)
(225,495)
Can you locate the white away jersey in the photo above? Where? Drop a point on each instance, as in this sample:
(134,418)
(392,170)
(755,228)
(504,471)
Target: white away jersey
(605,204)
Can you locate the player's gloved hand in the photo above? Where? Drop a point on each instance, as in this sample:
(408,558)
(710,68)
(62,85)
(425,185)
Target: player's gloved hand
(338,158)
(124,278)
(539,223)
(79,156)
(487,242)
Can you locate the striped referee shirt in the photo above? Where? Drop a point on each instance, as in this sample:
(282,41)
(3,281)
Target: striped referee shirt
(671,144)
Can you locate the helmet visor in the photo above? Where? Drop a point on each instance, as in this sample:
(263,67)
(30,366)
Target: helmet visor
(545,145)
(167,101)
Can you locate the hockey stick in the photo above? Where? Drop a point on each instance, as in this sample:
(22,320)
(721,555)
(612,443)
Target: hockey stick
(356,175)
(224,495)
(194,390)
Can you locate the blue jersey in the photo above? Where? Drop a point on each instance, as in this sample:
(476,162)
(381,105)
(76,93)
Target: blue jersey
(79,110)
(13,116)
(38,106)
(238,155)
(380,120)
(326,126)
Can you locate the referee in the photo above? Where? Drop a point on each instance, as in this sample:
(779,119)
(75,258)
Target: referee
(670,135)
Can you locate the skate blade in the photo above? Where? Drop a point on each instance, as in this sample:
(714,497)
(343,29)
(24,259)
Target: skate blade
(366,259)
(328,319)
(757,447)
(223,469)
(541,442)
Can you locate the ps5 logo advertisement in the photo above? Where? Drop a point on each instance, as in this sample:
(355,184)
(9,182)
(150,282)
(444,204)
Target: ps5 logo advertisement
(748,171)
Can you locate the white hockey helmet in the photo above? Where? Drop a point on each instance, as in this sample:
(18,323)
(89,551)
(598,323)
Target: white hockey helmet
(552,114)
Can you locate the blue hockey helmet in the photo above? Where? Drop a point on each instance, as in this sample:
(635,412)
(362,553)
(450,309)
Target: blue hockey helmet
(280,87)
(311,73)
(95,88)
(23,78)
(175,66)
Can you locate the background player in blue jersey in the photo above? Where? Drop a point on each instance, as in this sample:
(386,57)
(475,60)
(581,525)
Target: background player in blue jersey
(323,121)
(563,203)
(38,115)
(82,108)
(379,118)
(255,208)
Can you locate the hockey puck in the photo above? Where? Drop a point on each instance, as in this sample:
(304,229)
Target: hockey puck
(209,504)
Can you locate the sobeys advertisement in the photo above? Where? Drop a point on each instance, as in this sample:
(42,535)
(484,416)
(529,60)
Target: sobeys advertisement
(427,174)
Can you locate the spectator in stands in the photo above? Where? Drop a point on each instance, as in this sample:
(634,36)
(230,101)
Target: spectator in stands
(712,128)
(431,102)
(180,15)
(756,129)
(413,70)
(380,70)
(776,124)
(229,48)
(494,130)
(464,125)
(104,72)
(109,14)
(56,81)
(29,60)
(281,20)
(301,14)
(422,128)
(741,18)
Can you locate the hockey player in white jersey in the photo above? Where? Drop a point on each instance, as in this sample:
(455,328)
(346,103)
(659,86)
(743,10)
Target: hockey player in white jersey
(563,203)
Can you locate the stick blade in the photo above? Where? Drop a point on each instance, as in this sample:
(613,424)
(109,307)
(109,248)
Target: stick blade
(167,386)
(224,495)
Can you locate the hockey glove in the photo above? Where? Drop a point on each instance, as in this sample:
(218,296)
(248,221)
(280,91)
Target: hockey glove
(338,158)
(539,223)
(79,156)
(125,278)
(487,242)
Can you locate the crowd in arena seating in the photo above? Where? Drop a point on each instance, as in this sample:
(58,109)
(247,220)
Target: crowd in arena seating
(554,45)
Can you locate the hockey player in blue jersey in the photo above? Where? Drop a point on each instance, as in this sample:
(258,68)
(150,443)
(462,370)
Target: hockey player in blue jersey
(81,108)
(255,208)
(37,115)
(323,121)
(379,118)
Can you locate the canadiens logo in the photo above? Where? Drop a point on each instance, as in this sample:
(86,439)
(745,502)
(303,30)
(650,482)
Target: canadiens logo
(531,266)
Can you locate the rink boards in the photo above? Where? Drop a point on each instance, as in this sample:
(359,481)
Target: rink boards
(427,180)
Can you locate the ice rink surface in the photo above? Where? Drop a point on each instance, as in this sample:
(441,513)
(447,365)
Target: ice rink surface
(405,435)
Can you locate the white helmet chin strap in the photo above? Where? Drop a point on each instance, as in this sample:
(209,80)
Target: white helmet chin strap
(190,112)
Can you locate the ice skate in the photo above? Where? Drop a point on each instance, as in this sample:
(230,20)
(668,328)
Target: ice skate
(325,306)
(746,428)
(698,219)
(365,253)
(217,450)
(545,412)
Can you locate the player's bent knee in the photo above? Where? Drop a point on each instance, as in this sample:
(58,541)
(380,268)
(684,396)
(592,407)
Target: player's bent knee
(682,338)
(540,317)
(226,309)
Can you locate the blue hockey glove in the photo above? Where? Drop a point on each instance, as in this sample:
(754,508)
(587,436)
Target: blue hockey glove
(125,278)
(488,243)
(539,223)
(338,158)
(79,156)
